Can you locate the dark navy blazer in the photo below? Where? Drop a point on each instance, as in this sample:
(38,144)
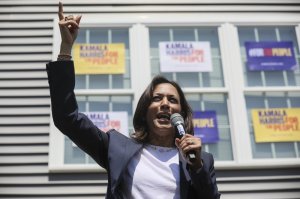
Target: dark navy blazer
(112,150)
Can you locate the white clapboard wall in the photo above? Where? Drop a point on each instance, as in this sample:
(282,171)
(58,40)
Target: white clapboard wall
(26,36)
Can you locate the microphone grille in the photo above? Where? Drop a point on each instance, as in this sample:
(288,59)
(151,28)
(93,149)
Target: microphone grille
(175,118)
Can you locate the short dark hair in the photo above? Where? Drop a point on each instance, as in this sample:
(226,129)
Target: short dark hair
(139,118)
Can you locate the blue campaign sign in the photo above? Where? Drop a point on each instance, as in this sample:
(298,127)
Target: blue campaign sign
(205,126)
(269,55)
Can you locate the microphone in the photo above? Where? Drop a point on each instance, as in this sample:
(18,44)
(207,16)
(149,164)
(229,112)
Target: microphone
(178,123)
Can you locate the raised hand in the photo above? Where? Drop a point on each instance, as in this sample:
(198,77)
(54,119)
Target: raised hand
(68,26)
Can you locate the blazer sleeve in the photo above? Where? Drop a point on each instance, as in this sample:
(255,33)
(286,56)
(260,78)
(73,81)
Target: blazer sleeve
(204,180)
(65,113)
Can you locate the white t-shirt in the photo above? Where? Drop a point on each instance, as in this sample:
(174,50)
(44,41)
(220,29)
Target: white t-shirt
(153,174)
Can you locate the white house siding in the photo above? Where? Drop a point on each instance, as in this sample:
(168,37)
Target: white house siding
(26,37)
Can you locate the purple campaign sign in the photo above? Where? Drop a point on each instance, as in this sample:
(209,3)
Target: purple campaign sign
(270,56)
(205,126)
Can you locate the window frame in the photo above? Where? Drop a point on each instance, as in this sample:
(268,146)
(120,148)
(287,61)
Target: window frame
(234,87)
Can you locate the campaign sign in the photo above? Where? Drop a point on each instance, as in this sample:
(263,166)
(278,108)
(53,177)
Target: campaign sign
(110,120)
(276,124)
(99,58)
(185,56)
(270,56)
(205,126)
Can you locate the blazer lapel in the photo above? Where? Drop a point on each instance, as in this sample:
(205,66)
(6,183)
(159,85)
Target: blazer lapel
(184,183)
(119,155)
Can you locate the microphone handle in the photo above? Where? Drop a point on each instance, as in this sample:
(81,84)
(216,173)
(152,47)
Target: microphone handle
(191,156)
(181,132)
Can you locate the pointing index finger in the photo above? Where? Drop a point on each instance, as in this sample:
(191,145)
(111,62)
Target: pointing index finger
(60,11)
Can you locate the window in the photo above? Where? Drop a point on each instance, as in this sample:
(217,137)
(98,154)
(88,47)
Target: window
(94,103)
(99,92)
(222,150)
(105,35)
(259,92)
(272,100)
(199,100)
(188,79)
(269,78)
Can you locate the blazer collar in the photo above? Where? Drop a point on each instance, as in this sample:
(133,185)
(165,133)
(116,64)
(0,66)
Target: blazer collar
(117,167)
(184,178)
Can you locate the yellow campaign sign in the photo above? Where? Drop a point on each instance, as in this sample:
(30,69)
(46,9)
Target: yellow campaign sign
(99,58)
(276,124)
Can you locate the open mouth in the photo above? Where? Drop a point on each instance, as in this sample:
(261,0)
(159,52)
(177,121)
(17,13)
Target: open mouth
(164,116)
